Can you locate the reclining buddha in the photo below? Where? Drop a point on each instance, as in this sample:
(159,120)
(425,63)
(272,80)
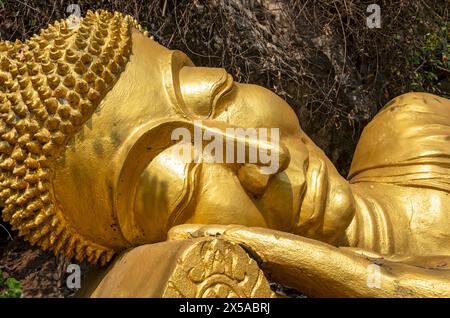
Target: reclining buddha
(89,169)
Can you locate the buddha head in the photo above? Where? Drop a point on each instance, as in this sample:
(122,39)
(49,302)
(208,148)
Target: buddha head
(88,165)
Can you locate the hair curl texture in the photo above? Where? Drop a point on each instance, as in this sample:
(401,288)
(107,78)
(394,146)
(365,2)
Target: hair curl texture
(49,87)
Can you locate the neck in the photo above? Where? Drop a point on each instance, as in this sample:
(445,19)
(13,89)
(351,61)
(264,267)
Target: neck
(370,228)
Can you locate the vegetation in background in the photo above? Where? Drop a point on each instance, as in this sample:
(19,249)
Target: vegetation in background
(432,62)
(9,287)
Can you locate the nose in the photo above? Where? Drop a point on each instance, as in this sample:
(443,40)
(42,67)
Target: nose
(239,147)
(253,173)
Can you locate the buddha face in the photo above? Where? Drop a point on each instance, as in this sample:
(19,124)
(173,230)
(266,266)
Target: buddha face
(131,188)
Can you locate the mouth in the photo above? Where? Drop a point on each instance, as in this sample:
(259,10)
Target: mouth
(320,180)
(313,198)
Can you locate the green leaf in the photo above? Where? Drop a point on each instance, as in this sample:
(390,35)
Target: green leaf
(11,294)
(13,283)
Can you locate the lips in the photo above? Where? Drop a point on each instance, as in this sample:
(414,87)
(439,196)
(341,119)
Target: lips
(318,177)
(314,199)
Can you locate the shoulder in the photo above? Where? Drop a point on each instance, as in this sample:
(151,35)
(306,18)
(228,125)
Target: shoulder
(420,103)
(412,128)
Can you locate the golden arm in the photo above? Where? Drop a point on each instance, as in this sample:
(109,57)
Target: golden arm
(322,270)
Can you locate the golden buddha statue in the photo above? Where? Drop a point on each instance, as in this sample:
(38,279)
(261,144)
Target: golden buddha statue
(89,168)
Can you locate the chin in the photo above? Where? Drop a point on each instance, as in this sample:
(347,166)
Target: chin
(339,210)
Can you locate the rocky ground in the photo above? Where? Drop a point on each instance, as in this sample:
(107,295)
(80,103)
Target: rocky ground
(318,55)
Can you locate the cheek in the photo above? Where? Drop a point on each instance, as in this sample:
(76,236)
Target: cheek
(220,199)
(278,202)
(282,198)
(160,188)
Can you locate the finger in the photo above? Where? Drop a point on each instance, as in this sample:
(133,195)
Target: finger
(189,231)
(266,243)
(181,232)
(211,230)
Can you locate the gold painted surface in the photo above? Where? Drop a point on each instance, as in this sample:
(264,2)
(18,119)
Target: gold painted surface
(322,270)
(206,267)
(88,166)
